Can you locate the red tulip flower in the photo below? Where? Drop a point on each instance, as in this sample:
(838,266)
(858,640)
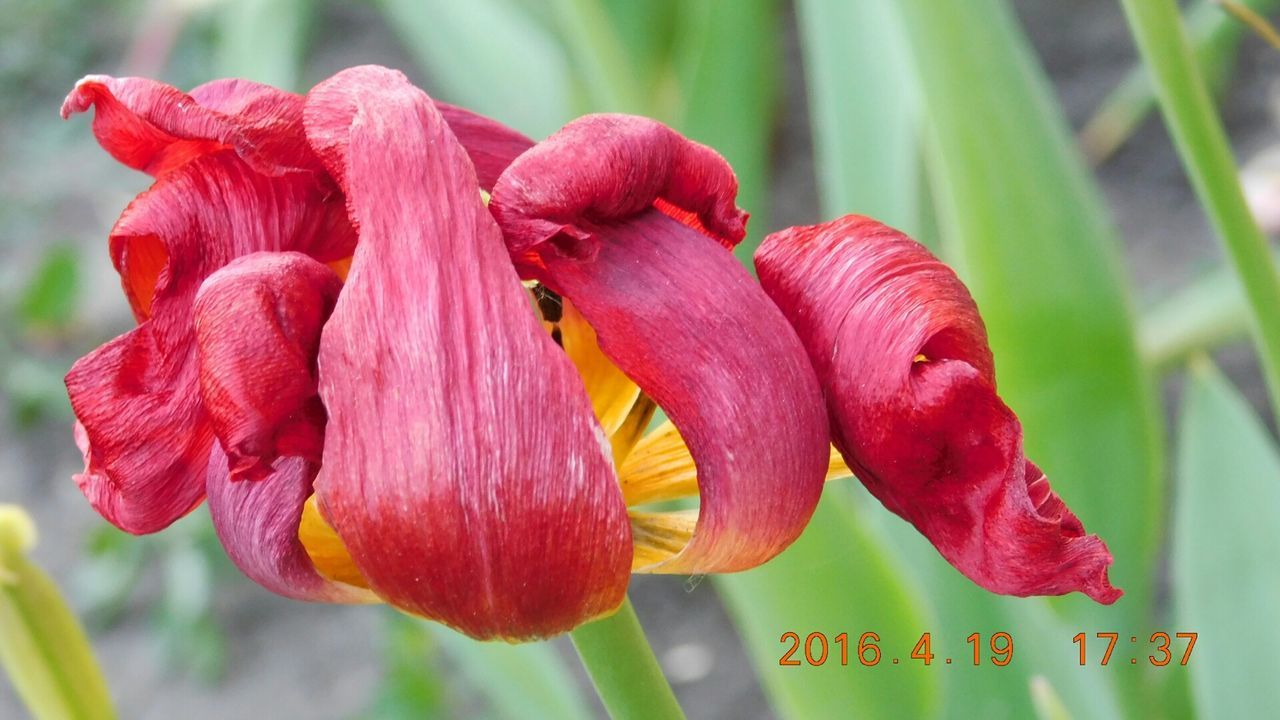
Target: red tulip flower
(389,389)
(335,347)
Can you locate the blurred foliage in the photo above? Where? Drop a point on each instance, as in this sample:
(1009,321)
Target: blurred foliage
(170,578)
(1225,532)
(43,649)
(411,688)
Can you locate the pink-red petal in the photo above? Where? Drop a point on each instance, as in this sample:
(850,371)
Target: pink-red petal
(145,430)
(257,324)
(903,359)
(257,523)
(601,168)
(155,128)
(681,317)
(490,144)
(463,468)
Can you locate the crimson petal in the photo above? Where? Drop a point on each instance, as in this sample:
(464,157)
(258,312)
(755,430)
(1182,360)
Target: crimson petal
(146,435)
(591,212)
(910,385)
(490,144)
(154,127)
(257,523)
(463,467)
(257,324)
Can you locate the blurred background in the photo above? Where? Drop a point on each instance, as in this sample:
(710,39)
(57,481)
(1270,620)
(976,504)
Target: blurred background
(960,122)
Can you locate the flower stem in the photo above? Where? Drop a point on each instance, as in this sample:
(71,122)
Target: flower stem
(622,666)
(1202,142)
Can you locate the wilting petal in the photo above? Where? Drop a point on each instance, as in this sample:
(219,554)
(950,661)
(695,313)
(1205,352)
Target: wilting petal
(155,128)
(138,396)
(903,359)
(257,324)
(257,523)
(463,468)
(680,316)
(490,144)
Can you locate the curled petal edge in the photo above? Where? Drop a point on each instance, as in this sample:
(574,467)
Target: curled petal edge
(903,359)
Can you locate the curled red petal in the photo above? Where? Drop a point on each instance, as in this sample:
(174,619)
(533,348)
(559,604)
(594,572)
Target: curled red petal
(903,359)
(681,317)
(463,468)
(604,168)
(257,324)
(138,396)
(257,523)
(156,128)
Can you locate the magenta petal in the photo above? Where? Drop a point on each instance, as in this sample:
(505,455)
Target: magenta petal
(138,396)
(463,467)
(257,324)
(257,523)
(490,144)
(156,128)
(679,315)
(903,359)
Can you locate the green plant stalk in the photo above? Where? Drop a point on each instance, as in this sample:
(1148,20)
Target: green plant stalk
(1202,142)
(622,667)
(43,649)
(1215,37)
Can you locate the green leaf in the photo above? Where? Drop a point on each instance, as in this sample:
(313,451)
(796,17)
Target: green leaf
(1026,228)
(42,646)
(410,688)
(490,56)
(1205,149)
(264,40)
(864,111)
(1216,36)
(523,681)
(728,58)
(1207,312)
(1225,576)
(836,578)
(1048,704)
(52,295)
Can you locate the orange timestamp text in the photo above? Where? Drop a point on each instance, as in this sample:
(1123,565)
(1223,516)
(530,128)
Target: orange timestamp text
(815,649)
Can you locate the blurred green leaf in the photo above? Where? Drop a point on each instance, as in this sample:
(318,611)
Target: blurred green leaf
(1029,234)
(43,649)
(1048,704)
(1202,143)
(1216,36)
(52,295)
(836,578)
(523,681)
(35,390)
(646,30)
(1209,311)
(264,40)
(410,689)
(1225,576)
(728,60)
(490,56)
(864,110)
(603,71)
